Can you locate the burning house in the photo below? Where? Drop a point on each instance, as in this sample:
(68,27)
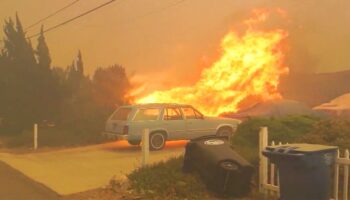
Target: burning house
(247,71)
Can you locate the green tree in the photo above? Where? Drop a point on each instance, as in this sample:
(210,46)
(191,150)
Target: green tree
(75,75)
(78,111)
(19,78)
(111,86)
(16,46)
(48,91)
(80,64)
(27,85)
(42,51)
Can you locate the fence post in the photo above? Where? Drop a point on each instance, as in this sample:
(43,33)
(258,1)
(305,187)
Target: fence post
(272,169)
(346,176)
(145,147)
(336,177)
(35,136)
(263,163)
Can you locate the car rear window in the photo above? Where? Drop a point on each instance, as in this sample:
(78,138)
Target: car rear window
(147,114)
(121,114)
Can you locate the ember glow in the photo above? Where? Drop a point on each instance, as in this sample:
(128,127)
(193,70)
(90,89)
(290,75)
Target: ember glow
(247,72)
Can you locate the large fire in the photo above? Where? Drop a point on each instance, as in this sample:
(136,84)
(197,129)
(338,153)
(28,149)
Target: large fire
(247,72)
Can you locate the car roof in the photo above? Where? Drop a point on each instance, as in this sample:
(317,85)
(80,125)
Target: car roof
(158,105)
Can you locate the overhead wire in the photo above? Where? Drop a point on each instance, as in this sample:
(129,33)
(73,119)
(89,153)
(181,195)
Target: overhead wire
(160,9)
(53,14)
(98,7)
(72,19)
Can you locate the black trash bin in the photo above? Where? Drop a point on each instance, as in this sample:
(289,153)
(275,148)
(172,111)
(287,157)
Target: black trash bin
(223,170)
(304,170)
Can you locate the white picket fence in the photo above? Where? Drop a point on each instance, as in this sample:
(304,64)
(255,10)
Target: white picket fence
(268,174)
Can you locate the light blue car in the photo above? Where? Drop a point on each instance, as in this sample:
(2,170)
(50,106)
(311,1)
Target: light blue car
(165,122)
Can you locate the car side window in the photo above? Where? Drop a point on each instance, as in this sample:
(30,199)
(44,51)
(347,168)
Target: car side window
(172,114)
(189,113)
(147,114)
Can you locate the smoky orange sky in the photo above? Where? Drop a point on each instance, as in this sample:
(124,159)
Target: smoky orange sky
(173,44)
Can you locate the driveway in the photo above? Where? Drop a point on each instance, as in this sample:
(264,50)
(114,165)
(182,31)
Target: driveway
(15,186)
(79,169)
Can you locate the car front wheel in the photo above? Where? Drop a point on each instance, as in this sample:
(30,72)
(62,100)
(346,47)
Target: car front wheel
(157,141)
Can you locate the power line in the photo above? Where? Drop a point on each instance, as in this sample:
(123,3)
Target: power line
(72,19)
(53,14)
(160,9)
(151,12)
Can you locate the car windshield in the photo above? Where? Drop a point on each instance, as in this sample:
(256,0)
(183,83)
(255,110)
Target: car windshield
(121,114)
(199,115)
(147,114)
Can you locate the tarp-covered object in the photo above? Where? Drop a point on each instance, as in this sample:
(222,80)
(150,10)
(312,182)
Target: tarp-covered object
(274,108)
(339,106)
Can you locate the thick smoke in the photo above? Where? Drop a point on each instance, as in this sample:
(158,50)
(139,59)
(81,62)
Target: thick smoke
(182,40)
(317,42)
(318,32)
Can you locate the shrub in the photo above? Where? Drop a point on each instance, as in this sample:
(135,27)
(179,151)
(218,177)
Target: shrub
(285,129)
(165,180)
(331,132)
(53,137)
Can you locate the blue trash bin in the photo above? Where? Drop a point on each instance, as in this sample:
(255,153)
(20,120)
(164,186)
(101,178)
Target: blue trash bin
(304,170)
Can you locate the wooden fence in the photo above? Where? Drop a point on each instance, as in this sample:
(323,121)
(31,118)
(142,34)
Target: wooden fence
(268,173)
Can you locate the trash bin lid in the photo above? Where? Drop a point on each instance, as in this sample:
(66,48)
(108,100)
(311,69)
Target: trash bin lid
(302,148)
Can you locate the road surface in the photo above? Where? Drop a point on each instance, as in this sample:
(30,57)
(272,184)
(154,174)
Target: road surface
(79,169)
(15,186)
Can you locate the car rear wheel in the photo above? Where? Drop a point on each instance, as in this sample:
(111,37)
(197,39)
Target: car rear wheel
(157,141)
(225,131)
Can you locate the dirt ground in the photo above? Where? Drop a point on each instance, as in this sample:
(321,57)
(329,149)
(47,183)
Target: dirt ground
(101,194)
(120,194)
(80,169)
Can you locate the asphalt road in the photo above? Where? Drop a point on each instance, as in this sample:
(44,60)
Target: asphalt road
(73,170)
(15,186)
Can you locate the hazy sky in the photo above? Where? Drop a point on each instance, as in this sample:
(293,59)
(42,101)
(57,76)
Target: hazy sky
(177,42)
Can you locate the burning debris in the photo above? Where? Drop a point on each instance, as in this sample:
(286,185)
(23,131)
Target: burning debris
(247,72)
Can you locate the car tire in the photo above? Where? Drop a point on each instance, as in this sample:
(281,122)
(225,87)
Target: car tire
(157,141)
(225,131)
(134,142)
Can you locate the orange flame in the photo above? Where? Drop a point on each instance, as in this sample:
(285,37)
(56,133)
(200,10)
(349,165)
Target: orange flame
(247,72)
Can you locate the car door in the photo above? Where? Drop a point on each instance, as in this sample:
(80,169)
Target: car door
(174,123)
(196,124)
